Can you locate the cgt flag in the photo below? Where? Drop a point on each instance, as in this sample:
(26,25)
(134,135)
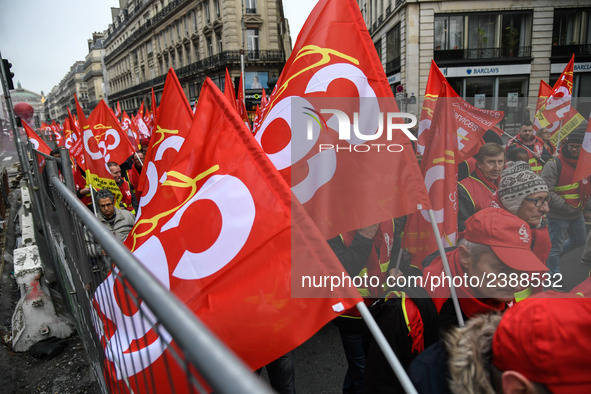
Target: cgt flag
(75,143)
(434,82)
(36,141)
(334,62)
(456,131)
(111,140)
(220,269)
(557,108)
(98,175)
(171,127)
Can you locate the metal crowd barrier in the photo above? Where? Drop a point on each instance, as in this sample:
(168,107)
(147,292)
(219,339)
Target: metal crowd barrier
(95,271)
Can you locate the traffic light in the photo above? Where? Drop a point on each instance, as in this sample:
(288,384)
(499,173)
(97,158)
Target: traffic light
(9,74)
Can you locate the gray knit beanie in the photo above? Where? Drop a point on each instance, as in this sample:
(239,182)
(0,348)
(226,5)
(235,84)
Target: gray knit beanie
(517,182)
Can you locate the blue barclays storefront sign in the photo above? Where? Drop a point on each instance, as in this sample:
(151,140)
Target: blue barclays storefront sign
(513,69)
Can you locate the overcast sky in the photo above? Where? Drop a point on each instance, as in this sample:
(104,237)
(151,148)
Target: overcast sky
(43,38)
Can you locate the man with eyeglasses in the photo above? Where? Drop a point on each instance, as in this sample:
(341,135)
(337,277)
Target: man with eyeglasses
(523,193)
(569,200)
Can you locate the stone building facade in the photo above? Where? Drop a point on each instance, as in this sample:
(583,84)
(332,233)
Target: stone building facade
(198,39)
(486,49)
(61,96)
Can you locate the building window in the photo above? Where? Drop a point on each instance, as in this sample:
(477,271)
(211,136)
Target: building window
(250,6)
(572,27)
(378,45)
(515,34)
(216,4)
(481,31)
(209,46)
(194,18)
(218,37)
(252,43)
(393,50)
(178,30)
(449,32)
(206,11)
(186,23)
(482,36)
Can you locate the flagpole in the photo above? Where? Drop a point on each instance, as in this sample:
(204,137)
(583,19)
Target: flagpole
(386,349)
(446,268)
(140,160)
(93,200)
(559,141)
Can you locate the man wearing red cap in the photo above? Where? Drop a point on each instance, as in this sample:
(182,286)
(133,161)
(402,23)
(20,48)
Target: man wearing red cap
(495,247)
(530,349)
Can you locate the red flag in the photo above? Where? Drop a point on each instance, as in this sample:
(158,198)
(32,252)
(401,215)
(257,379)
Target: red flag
(59,140)
(220,269)
(434,82)
(340,189)
(111,140)
(583,169)
(543,92)
(35,140)
(229,90)
(172,124)
(557,107)
(440,170)
(455,132)
(241,104)
(154,104)
(76,142)
(118,111)
(98,175)
(264,99)
(129,128)
(140,111)
(140,126)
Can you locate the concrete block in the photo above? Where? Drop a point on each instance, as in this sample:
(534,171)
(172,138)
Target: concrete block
(34,318)
(26,218)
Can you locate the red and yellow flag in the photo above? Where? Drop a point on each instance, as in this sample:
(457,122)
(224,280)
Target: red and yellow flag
(219,178)
(557,108)
(345,178)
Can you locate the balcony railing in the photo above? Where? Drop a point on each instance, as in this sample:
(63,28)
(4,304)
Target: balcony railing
(201,67)
(250,10)
(504,53)
(143,29)
(569,50)
(393,66)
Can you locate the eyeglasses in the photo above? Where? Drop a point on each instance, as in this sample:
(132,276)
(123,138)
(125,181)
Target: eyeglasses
(538,202)
(574,146)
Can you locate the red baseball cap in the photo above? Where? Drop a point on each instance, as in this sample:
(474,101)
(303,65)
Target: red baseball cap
(547,340)
(508,236)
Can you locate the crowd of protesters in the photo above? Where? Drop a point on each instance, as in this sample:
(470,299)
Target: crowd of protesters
(519,211)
